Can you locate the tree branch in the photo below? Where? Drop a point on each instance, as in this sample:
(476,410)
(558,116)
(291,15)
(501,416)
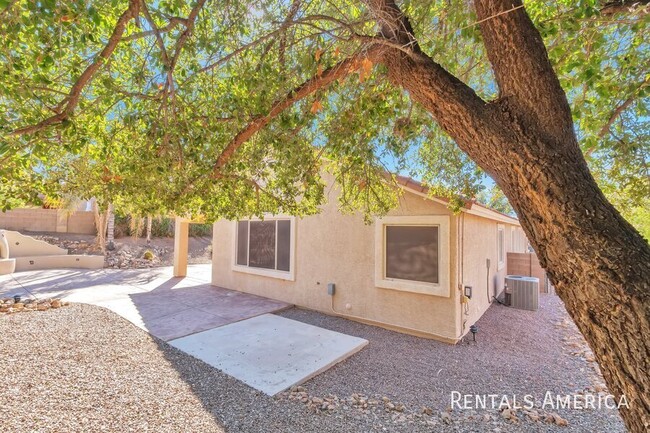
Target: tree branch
(521,66)
(239,50)
(156,32)
(189,27)
(67,105)
(618,6)
(173,22)
(161,45)
(619,109)
(453,104)
(394,26)
(310,86)
(283,28)
(293,10)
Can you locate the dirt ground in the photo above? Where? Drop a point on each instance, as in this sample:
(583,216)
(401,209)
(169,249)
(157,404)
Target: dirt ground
(130,252)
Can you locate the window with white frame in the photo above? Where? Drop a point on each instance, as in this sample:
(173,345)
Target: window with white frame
(412,254)
(265,247)
(501,246)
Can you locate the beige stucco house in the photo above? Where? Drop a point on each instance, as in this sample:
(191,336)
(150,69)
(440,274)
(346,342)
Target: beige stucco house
(407,271)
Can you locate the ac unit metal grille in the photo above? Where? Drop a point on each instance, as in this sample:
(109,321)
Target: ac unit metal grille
(524,292)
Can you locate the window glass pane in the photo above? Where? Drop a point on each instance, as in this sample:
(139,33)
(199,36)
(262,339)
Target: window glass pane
(242,243)
(284,245)
(262,244)
(412,253)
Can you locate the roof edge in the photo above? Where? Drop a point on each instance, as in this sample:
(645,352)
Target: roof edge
(471,207)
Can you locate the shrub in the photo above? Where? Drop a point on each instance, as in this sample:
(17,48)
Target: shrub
(122,224)
(161,227)
(201,230)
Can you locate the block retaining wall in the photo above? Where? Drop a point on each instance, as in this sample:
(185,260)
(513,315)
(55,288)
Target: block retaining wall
(48,220)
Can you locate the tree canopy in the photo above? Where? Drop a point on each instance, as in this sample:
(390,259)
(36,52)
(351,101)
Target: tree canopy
(145,102)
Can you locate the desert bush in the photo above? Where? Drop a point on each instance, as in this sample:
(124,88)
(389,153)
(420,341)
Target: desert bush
(161,227)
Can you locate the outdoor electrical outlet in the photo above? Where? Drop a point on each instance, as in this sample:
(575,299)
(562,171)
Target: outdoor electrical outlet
(331,288)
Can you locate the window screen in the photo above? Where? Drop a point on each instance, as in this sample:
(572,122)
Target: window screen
(261,244)
(264,244)
(242,243)
(412,253)
(284,245)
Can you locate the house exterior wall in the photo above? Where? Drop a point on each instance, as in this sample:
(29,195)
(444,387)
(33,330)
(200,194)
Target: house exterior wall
(478,243)
(340,249)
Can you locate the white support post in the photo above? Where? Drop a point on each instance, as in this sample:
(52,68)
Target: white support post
(181,239)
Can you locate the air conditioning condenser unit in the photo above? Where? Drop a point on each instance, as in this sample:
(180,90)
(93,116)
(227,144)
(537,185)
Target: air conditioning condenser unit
(524,292)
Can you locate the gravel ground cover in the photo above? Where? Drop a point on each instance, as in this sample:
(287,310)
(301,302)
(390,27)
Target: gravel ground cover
(83,368)
(518,353)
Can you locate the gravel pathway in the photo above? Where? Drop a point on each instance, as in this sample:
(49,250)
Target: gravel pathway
(83,368)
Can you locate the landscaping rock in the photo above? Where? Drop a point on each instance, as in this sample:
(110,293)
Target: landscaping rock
(31,305)
(557,419)
(445,417)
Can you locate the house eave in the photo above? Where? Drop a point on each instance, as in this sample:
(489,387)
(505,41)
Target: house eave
(471,208)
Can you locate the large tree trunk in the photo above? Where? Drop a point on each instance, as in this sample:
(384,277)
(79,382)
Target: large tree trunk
(525,140)
(599,264)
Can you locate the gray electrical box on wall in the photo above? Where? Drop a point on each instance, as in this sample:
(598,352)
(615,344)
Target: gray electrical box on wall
(331,287)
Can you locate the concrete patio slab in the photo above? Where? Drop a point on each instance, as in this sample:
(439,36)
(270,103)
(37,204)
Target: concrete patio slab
(151,299)
(182,323)
(270,353)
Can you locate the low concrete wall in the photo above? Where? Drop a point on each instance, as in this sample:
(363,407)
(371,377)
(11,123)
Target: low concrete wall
(20,245)
(7,266)
(59,262)
(23,253)
(527,264)
(48,220)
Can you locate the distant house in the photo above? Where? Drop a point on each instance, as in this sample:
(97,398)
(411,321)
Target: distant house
(407,271)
